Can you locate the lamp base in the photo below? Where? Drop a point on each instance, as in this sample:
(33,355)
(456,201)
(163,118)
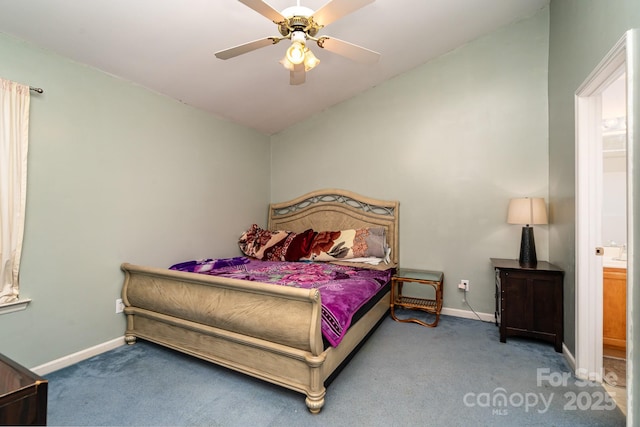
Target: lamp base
(528,256)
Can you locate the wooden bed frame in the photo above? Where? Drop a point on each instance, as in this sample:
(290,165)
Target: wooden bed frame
(269,332)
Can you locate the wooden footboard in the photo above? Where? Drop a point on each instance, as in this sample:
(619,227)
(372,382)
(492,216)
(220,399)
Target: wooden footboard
(270,332)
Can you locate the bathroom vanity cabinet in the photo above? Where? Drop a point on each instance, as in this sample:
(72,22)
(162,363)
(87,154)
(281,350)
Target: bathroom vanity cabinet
(614,307)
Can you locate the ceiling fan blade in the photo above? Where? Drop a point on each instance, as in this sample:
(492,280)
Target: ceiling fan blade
(264,9)
(336,9)
(349,50)
(298,75)
(245,48)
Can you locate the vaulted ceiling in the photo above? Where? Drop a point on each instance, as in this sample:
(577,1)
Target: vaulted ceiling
(168,46)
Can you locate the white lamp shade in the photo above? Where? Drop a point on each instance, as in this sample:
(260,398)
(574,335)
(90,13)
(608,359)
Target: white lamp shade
(527,210)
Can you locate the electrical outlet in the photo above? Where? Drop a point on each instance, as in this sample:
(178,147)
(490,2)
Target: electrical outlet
(464,285)
(119,306)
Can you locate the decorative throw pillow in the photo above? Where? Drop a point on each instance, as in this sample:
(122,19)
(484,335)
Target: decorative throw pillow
(264,244)
(348,244)
(314,246)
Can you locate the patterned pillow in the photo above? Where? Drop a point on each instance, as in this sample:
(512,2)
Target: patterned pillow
(314,246)
(348,244)
(264,244)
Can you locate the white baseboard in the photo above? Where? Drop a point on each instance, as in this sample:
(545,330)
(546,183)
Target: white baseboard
(81,355)
(486,317)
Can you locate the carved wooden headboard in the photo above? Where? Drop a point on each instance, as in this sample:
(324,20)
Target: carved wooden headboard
(335,209)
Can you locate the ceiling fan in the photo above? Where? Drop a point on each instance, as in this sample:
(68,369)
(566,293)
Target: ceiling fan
(301,24)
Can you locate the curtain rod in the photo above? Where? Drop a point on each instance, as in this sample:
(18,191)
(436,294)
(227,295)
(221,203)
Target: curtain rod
(36,89)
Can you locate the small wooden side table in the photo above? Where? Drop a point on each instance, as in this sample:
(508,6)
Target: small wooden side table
(429,305)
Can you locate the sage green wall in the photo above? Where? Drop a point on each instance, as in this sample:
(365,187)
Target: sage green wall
(582,32)
(116,173)
(452,140)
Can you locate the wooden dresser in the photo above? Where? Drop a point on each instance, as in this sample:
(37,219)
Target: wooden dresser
(529,301)
(23,395)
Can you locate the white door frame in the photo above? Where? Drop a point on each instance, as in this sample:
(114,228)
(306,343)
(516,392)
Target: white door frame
(588,213)
(588,281)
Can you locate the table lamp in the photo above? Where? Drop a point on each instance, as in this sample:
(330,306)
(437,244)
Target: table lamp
(527,211)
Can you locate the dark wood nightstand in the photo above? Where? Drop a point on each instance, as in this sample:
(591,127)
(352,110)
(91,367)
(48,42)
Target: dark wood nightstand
(23,395)
(433,305)
(529,301)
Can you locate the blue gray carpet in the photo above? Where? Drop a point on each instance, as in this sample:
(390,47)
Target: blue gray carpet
(457,374)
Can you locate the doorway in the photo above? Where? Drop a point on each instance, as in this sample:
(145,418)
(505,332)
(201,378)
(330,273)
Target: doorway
(589,202)
(623,62)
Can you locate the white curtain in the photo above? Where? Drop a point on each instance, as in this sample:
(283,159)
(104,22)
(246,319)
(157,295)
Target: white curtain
(14,132)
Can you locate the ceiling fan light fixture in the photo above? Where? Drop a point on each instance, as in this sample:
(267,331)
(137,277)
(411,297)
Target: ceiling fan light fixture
(310,60)
(295,53)
(299,24)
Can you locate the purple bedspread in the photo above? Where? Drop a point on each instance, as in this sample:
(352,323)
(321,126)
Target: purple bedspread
(343,289)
